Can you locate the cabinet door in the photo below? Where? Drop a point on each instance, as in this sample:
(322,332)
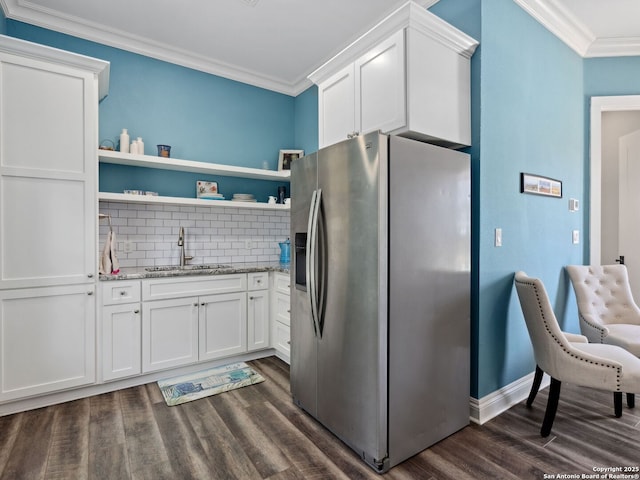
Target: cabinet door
(258,320)
(336,112)
(282,342)
(380,87)
(121,341)
(223,325)
(47,173)
(169,333)
(47,340)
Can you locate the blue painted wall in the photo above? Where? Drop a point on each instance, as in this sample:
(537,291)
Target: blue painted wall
(531,120)
(611,76)
(203,117)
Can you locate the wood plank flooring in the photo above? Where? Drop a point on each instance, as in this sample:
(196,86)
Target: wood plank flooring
(257,433)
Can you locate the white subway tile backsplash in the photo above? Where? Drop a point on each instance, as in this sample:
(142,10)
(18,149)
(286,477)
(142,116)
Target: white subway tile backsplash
(212,234)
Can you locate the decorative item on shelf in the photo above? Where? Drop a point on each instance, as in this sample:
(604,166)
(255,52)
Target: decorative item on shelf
(134,192)
(243,197)
(124,141)
(287,201)
(286,157)
(272,200)
(164,151)
(208,190)
(104,145)
(151,194)
(137,147)
(282,193)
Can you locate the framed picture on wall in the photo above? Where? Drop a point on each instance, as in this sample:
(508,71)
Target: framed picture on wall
(288,156)
(539,185)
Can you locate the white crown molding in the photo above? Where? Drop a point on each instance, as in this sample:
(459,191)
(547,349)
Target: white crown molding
(614,47)
(564,25)
(560,22)
(52,20)
(99,68)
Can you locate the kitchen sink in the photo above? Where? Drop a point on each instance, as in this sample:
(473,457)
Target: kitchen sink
(168,268)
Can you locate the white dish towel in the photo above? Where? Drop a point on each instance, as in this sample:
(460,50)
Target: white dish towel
(108,259)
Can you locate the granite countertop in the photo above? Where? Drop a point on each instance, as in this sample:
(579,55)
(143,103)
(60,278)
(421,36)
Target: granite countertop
(136,273)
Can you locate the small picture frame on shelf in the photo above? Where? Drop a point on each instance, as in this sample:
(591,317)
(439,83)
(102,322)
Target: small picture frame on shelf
(288,156)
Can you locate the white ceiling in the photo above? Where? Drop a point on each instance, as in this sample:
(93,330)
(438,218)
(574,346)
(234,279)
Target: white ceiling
(275,44)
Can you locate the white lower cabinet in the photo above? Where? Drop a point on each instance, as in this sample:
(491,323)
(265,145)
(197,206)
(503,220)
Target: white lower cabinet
(169,333)
(223,325)
(47,340)
(121,347)
(258,311)
(120,327)
(280,315)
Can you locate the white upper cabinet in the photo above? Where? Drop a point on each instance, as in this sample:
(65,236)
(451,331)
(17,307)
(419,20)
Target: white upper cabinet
(380,84)
(48,161)
(336,112)
(409,75)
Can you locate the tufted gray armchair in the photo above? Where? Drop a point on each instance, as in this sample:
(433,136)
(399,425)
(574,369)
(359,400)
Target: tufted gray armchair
(569,358)
(606,308)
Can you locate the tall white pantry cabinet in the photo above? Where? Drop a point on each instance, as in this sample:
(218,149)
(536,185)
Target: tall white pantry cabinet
(48,217)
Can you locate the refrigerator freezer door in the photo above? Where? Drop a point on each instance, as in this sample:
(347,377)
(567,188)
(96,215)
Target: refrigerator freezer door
(352,353)
(303,336)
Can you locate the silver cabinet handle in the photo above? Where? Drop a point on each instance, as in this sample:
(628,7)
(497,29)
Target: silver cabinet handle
(195,304)
(90,293)
(90,275)
(251,298)
(202,304)
(136,311)
(123,293)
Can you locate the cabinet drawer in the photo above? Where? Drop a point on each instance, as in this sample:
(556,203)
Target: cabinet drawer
(258,280)
(282,283)
(164,288)
(117,292)
(283,308)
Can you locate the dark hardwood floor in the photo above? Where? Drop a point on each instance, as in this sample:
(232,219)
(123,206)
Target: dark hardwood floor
(257,433)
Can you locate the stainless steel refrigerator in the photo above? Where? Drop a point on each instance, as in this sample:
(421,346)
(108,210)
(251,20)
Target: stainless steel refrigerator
(380,227)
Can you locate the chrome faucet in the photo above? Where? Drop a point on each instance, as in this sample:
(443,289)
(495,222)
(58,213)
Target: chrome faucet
(183,258)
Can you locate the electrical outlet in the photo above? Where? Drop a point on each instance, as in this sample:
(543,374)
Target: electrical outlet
(575,237)
(498,237)
(128,246)
(247,244)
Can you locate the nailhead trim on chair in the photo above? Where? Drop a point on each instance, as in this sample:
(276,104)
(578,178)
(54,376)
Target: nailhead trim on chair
(546,326)
(594,326)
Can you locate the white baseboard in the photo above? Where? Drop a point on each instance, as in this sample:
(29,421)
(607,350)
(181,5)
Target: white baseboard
(495,403)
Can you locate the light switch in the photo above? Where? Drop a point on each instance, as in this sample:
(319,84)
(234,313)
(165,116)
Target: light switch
(128,246)
(576,237)
(498,237)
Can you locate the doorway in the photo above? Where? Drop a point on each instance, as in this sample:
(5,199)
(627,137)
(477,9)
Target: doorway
(611,118)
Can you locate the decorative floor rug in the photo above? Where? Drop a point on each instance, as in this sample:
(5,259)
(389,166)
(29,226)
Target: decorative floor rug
(201,384)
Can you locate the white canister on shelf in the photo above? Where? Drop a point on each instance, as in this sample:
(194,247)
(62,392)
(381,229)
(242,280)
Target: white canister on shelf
(124,141)
(133,148)
(140,146)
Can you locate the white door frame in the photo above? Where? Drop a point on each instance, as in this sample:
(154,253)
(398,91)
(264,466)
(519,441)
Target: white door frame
(598,106)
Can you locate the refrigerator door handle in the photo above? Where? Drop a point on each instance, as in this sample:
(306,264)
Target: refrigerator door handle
(310,261)
(312,228)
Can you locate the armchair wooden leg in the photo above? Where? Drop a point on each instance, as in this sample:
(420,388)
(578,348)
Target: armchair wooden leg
(617,404)
(631,400)
(552,407)
(537,379)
